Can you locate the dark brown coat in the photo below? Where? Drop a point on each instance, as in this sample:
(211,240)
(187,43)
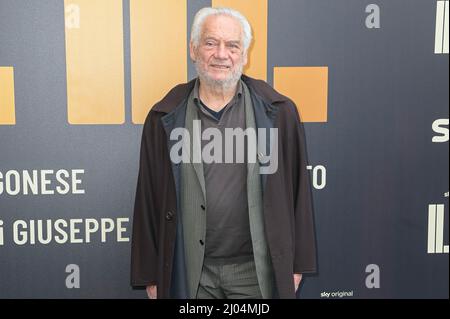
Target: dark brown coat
(288,212)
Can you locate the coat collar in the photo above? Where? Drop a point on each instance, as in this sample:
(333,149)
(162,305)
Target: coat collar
(181,91)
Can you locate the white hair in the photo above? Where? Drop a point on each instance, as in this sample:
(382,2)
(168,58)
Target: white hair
(203,13)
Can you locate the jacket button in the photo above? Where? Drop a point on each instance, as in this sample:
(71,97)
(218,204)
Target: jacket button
(201,242)
(202,206)
(169,216)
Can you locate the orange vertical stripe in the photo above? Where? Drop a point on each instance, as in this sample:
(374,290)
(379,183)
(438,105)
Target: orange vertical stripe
(307,87)
(256,13)
(7,107)
(94,61)
(158,51)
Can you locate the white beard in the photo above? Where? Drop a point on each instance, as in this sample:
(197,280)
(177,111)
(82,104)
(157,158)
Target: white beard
(220,85)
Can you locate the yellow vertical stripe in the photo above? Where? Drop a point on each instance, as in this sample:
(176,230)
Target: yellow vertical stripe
(307,87)
(256,13)
(158,51)
(94,59)
(7,108)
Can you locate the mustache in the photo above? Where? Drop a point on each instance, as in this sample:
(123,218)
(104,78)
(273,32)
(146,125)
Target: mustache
(220,64)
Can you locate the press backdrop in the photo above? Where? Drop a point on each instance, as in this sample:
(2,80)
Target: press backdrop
(370,78)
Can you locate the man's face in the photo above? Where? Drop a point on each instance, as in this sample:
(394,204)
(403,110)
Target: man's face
(220,55)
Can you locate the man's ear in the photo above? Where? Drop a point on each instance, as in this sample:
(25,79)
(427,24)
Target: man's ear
(245,58)
(192,51)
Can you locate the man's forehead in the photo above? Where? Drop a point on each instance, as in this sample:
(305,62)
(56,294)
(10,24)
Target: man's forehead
(222,26)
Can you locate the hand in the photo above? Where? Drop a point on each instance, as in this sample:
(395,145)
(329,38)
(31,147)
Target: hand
(297,279)
(151,292)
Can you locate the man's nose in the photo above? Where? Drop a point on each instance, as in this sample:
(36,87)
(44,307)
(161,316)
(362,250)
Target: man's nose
(221,51)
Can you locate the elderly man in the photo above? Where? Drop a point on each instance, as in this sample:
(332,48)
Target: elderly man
(214,229)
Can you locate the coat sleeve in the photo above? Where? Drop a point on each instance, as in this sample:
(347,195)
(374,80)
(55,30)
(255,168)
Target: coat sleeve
(305,242)
(144,247)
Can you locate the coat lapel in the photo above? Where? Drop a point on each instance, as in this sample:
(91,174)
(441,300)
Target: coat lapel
(256,211)
(195,145)
(265,115)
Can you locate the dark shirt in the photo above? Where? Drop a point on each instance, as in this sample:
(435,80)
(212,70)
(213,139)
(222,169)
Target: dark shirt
(216,114)
(227,220)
